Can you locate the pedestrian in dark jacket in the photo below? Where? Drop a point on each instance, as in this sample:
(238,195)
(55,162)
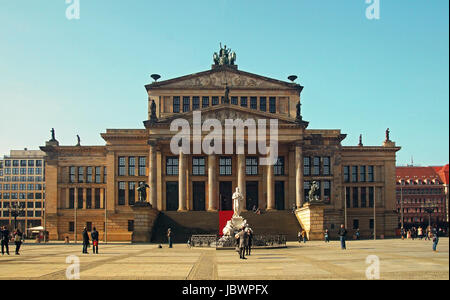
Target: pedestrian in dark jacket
(435,238)
(5,236)
(250,241)
(243,242)
(342,236)
(327,236)
(85,240)
(169,237)
(18,237)
(94,238)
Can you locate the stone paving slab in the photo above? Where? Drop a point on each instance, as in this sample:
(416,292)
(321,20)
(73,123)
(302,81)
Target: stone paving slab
(314,260)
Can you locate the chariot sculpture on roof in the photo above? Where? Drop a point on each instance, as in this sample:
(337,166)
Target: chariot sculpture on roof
(224,57)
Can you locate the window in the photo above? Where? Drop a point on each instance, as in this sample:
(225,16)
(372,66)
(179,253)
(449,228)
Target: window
(23,171)
(89,175)
(31,163)
(121,193)
(205,102)
(30,171)
(23,163)
(326,166)
(354,173)
(251,166)
(30,196)
(172,166)
(71,226)
(306,166)
(346,174)
(130,225)
(176,104)
(80,175)
(327,191)
(371,197)
(362,173)
(7,163)
(244,101)
(195,103)
(88,198)
(80,198)
(355,197)
(370,175)
(253,102)
(15,163)
(272,105)
(306,188)
(122,166)
(38,196)
(279,167)
(15,171)
(97,175)
(131,193)
(30,187)
(263,104)
(39,163)
(355,224)
(198,166)
(142,165)
(89,226)
(71,198)
(131,166)
(225,164)
(316,166)
(371,223)
(363,197)
(104,174)
(186,104)
(215,101)
(97,199)
(234,100)
(38,171)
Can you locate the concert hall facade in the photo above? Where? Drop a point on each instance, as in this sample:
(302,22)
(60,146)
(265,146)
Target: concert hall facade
(96,186)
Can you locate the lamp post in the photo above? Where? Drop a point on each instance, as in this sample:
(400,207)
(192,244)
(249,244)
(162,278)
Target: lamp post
(15,211)
(429,209)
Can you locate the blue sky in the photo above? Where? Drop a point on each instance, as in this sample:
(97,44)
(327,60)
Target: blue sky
(361,76)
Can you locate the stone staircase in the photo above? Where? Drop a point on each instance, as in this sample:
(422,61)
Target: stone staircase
(184,224)
(274,222)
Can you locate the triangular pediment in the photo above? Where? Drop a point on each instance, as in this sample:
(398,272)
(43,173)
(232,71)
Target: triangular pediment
(223,112)
(218,78)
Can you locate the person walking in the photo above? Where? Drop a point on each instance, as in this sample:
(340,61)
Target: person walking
(250,241)
(327,235)
(420,232)
(358,234)
(5,236)
(402,233)
(299,236)
(435,238)
(342,235)
(94,238)
(85,240)
(18,237)
(304,236)
(169,237)
(243,242)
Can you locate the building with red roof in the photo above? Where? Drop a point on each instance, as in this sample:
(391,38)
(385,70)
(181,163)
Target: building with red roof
(422,195)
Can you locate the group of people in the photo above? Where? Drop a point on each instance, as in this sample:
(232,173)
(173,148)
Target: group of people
(6,237)
(244,241)
(429,233)
(86,240)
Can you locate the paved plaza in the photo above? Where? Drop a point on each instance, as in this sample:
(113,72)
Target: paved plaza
(314,260)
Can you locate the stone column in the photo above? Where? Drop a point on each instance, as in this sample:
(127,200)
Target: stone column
(182,182)
(241,176)
(152,176)
(270,188)
(299,176)
(212,183)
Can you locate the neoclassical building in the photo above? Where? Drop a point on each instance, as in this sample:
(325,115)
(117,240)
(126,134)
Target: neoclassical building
(97,185)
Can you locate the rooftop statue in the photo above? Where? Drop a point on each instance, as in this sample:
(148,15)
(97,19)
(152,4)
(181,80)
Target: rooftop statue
(224,57)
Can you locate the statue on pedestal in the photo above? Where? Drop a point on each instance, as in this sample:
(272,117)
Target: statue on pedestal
(237,203)
(387,135)
(314,193)
(53,135)
(142,192)
(78,141)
